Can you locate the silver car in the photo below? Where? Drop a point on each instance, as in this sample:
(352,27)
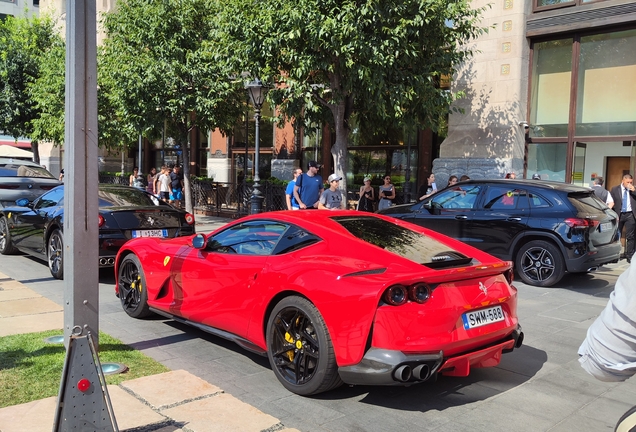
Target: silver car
(23,179)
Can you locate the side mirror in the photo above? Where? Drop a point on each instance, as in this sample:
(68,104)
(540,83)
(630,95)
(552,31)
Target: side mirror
(198,241)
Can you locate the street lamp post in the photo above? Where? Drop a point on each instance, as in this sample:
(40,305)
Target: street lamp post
(257,92)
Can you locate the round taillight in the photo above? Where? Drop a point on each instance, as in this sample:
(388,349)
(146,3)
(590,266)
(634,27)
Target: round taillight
(189,218)
(102,221)
(395,295)
(420,293)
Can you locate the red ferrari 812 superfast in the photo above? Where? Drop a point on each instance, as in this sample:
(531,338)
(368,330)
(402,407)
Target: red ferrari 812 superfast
(331,297)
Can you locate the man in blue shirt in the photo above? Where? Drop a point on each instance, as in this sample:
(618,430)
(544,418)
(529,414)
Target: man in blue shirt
(309,187)
(292,204)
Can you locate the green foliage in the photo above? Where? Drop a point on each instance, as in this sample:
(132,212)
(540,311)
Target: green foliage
(24,44)
(378,61)
(31,369)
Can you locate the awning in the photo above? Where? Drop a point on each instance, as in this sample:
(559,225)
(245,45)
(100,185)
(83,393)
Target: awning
(20,143)
(15,152)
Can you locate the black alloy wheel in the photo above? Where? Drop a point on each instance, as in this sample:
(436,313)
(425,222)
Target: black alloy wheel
(55,254)
(131,283)
(540,263)
(6,246)
(299,348)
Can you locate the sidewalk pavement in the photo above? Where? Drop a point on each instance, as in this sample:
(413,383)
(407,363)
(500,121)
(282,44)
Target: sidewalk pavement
(169,402)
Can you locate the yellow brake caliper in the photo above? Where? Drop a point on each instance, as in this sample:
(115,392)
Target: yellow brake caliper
(136,284)
(290,339)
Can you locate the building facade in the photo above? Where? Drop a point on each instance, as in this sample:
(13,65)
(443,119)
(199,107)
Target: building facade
(550,92)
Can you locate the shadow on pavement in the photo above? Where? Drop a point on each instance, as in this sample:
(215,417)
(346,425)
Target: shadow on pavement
(515,369)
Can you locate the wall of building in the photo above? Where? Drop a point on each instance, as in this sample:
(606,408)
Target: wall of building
(486,140)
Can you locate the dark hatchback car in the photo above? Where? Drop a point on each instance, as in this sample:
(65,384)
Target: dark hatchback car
(545,228)
(124,213)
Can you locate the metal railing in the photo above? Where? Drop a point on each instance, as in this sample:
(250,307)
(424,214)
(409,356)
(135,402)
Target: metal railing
(233,199)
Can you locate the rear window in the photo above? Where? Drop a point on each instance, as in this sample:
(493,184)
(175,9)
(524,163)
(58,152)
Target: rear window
(115,197)
(587,203)
(18,170)
(401,241)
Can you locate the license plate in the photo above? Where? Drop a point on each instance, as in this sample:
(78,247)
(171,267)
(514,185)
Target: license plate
(150,233)
(482,317)
(605,226)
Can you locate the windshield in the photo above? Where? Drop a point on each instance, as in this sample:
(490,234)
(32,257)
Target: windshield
(401,241)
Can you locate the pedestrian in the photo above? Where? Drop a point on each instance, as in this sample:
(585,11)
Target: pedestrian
(292,204)
(331,199)
(164,184)
(176,185)
(133,176)
(464,178)
(601,192)
(309,187)
(367,196)
(386,193)
(624,199)
(430,189)
(150,181)
(511,175)
(61,178)
(536,176)
(452,180)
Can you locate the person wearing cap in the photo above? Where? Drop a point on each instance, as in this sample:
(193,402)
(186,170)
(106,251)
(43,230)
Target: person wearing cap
(292,204)
(536,176)
(331,199)
(309,187)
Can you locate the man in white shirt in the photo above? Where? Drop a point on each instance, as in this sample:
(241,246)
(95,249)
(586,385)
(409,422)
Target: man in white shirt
(602,193)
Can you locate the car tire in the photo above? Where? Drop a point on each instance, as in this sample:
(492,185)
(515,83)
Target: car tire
(299,348)
(6,245)
(540,263)
(131,284)
(55,254)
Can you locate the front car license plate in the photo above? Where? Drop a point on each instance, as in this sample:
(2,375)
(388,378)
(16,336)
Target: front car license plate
(150,233)
(604,227)
(481,317)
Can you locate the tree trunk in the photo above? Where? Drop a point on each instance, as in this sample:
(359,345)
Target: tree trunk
(35,148)
(339,149)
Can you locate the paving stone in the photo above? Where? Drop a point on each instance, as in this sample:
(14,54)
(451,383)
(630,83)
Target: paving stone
(170,388)
(31,323)
(130,412)
(10,284)
(220,413)
(17,293)
(27,306)
(36,416)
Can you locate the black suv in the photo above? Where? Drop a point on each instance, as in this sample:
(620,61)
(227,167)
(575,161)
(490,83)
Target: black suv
(546,228)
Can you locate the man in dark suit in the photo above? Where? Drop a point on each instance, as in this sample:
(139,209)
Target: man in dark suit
(624,197)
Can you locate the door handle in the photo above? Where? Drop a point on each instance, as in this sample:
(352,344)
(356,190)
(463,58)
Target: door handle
(514,219)
(461,217)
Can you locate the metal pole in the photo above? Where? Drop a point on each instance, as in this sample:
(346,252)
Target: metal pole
(407,177)
(80,249)
(247,133)
(257,196)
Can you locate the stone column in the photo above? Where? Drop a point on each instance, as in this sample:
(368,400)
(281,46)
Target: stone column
(486,141)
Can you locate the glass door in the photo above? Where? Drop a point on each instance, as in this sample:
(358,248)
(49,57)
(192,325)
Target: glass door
(578,165)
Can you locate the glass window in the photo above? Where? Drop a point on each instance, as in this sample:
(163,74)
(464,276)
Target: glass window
(123,197)
(463,197)
(537,201)
(541,3)
(249,238)
(51,199)
(17,169)
(502,198)
(411,245)
(548,160)
(551,80)
(265,129)
(606,85)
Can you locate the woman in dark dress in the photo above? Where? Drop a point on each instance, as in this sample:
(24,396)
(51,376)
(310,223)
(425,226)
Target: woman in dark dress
(367,196)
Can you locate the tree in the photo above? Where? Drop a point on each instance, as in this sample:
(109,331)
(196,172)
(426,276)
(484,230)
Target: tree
(377,61)
(23,44)
(157,63)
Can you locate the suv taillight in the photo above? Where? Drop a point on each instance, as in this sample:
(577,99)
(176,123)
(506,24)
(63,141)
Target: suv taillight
(581,223)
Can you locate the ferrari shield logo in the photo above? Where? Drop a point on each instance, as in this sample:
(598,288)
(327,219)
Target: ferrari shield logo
(483,288)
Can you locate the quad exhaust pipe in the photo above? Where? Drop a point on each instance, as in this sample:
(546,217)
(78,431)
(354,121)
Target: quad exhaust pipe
(420,372)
